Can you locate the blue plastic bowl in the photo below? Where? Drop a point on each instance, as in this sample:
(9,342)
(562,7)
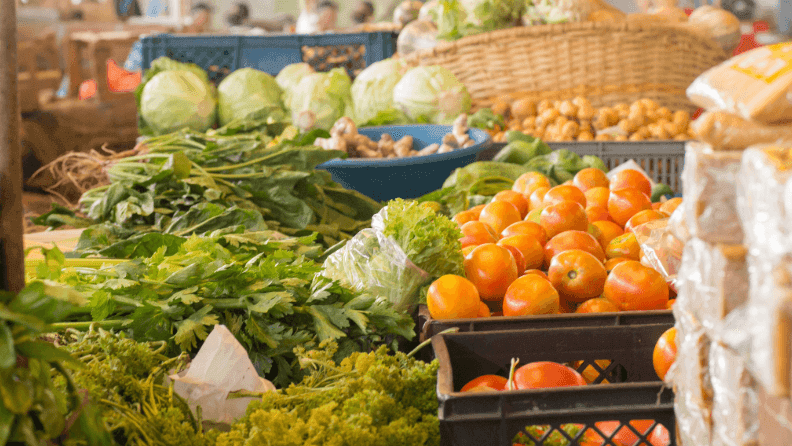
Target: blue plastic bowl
(412,177)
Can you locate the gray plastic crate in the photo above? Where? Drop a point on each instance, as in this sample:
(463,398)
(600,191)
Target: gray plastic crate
(662,160)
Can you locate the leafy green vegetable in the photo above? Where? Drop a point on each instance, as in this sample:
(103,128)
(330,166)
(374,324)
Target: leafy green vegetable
(176,99)
(321,98)
(247,92)
(661,190)
(459,18)
(289,77)
(520,152)
(431,93)
(61,216)
(372,92)
(485,119)
(263,287)
(566,159)
(366,399)
(594,162)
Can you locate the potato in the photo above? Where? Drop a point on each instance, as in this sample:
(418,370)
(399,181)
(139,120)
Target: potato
(648,104)
(603,137)
(658,131)
(643,132)
(636,137)
(681,117)
(585,112)
(570,130)
(561,121)
(585,136)
(664,113)
(585,125)
(622,110)
(568,109)
(620,138)
(580,101)
(523,108)
(549,115)
(682,137)
(630,125)
(501,108)
(542,106)
(529,122)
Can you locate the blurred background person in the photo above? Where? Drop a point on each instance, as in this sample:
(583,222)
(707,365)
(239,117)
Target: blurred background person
(200,19)
(238,19)
(308,20)
(363,13)
(317,18)
(328,16)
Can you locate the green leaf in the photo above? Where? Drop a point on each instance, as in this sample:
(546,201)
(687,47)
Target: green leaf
(323,324)
(186,296)
(192,329)
(179,164)
(26,320)
(47,353)
(260,332)
(16,390)
(7,352)
(6,423)
(102,305)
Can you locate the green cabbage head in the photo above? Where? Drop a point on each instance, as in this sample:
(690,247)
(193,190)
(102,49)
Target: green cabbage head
(432,95)
(372,91)
(177,99)
(290,76)
(321,98)
(247,91)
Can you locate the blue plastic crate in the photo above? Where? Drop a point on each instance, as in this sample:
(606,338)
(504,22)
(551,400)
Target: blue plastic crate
(220,55)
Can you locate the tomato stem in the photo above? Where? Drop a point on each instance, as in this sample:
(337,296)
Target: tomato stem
(510,383)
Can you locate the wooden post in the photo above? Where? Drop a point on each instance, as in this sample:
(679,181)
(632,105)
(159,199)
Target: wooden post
(12,269)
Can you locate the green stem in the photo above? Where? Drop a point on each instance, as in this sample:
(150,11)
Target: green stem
(225,304)
(429,341)
(61,326)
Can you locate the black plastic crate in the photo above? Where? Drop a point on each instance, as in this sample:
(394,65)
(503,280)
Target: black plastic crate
(662,160)
(221,55)
(428,327)
(495,418)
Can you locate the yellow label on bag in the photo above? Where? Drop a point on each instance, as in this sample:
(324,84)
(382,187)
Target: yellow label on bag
(767,63)
(780,157)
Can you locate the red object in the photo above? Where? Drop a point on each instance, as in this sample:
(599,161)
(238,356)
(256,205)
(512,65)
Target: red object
(697,114)
(87,90)
(748,41)
(120,80)
(688,11)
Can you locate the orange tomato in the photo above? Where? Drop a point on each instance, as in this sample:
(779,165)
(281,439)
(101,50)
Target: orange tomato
(535,215)
(476,210)
(624,203)
(539,273)
(629,178)
(531,249)
(594,231)
(573,240)
(608,231)
(590,374)
(536,199)
(597,305)
(597,196)
(590,178)
(610,263)
(660,436)
(625,436)
(625,245)
(671,205)
(484,310)
(519,259)
(577,275)
(490,382)
(641,218)
(467,250)
(476,233)
(492,269)
(464,217)
(563,216)
(533,229)
(597,213)
(499,215)
(671,303)
(529,182)
(665,352)
(564,193)
(633,286)
(515,198)
(530,295)
(452,297)
(546,375)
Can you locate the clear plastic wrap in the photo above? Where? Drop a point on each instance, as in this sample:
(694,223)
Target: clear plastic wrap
(734,404)
(691,380)
(710,194)
(678,224)
(713,282)
(660,249)
(761,200)
(775,419)
(755,85)
(373,262)
(724,131)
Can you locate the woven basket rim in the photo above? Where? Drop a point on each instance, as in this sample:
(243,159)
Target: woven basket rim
(490,37)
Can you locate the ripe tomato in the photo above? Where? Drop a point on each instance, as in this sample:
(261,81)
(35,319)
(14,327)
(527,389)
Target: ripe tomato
(531,249)
(597,213)
(476,210)
(535,215)
(499,215)
(467,250)
(597,305)
(671,205)
(590,178)
(536,200)
(476,233)
(533,229)
(545,375)
(529,182)
(660,436)
(671,303)
(515,198)
(633,286)
(565,193)
(624,203)
(610,263)
(577,275)
(625,436)
(537,272)
(641,218)
(492,269)
(625,245)
(563,216)
(573,240)
(665,352)
(597,196)
(590,374)
(464,217)
(608,231)
(629,178)
(519,259)
(529,295)
(452,297)
(491,382)
(484,310)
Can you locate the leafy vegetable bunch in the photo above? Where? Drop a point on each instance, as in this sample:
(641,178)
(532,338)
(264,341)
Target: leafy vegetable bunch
(266,291)
(368,398)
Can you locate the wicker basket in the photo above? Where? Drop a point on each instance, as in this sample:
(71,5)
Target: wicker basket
(607,62)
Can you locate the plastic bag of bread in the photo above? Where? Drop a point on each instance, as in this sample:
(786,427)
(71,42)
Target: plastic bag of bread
(734,404)
(709,179)
(755,85)
(725,131)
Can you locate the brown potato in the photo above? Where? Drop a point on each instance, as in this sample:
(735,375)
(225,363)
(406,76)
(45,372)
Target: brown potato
(664,113)
(501,108)
(585,125)
(549,115)
(622,110)
(620,138)
(529,122)
(585,112)
(603,137)
(658,131)
(585,136)
(568,109)
(636,137)
(630,125)
(523,108)
(580,101)
(542,106)
(681,117)
(643,132)
(682,137)
(649,104)
(570,130)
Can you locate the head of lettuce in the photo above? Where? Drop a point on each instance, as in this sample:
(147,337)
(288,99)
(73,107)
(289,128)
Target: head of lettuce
(173,100)
(246,92)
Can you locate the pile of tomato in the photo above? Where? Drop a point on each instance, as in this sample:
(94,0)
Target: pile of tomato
(537,249)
